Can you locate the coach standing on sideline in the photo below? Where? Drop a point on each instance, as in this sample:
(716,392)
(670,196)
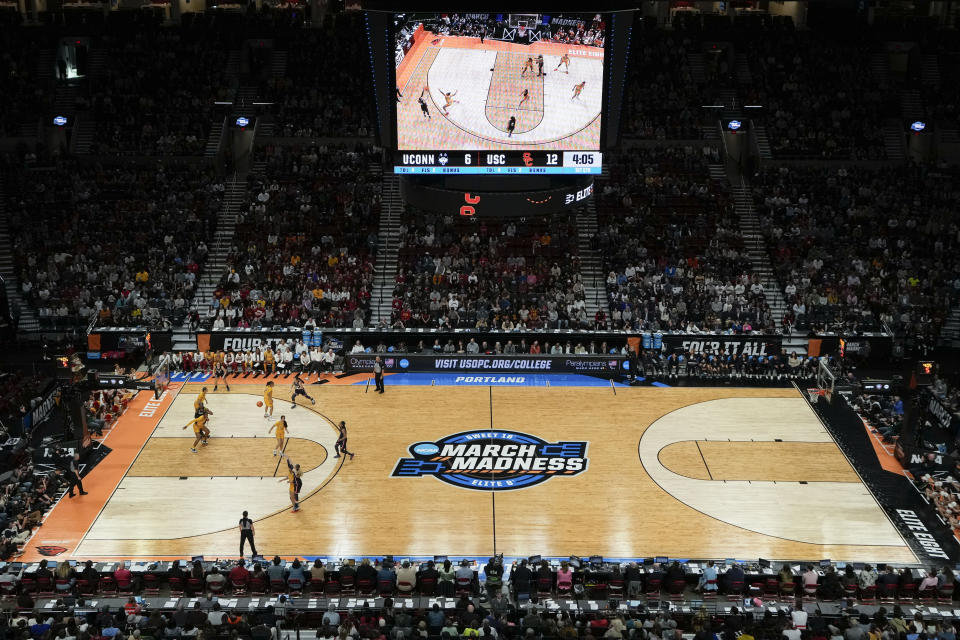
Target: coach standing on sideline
(378,373)
(246,533)
(73,475)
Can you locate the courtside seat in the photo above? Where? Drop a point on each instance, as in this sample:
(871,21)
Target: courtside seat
(464,586)
(45,587)
(544,587)
(278,586)
(428,586)
(908,592)
(239,586)
(331,587)
(257,586)
(8,590)
(788,589)
(348,585)
(385,588)
(945,593)
(868,595)
(176,586)
(928,596)
(151,585)
(675,589)
(653,588)
(108,586)
(365,587)
(295,585)
(886,592)
(711,592)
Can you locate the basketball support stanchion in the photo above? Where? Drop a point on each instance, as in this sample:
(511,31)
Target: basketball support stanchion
(367,388)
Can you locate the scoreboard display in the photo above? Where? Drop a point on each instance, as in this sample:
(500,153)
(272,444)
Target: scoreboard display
(499,162)
(498,93)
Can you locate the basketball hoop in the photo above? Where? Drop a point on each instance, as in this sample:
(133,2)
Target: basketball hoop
(815,394)
(522,31)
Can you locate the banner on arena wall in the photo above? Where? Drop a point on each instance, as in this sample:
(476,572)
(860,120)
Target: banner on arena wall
(604,366)
(49,400)
(127,341)
(251,341)
(734,345)
(938,413)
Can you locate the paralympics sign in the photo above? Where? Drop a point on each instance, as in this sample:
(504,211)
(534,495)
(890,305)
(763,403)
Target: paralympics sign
(597,365)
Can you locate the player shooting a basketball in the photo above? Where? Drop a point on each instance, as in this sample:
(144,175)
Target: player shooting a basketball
(448,98)
(294,478)
(423,105)
(527,66)
(524,97)
(577,88)
(565,61)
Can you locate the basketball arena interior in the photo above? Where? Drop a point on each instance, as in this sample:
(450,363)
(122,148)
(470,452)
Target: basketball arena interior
(416,320)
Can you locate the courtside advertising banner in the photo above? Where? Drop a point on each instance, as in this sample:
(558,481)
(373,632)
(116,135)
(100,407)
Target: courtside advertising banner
(604,366)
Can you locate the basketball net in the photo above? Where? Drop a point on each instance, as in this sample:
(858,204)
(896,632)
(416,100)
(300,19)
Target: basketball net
(522,31)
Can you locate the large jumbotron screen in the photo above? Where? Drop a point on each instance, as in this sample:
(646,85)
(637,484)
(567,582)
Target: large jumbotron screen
(499,93)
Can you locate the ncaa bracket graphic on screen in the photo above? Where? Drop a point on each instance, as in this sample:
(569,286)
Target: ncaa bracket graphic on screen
(499,93)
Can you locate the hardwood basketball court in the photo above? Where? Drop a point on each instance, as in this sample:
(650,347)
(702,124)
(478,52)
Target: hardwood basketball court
(679,472)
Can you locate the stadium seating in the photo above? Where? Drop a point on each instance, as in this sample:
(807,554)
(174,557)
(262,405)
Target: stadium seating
(672,246)
(858,248)
(306,244)
(124,243)
(147,103)
(489,274)
(820,95)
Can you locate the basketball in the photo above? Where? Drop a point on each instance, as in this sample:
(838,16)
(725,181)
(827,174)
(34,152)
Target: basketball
(259,403)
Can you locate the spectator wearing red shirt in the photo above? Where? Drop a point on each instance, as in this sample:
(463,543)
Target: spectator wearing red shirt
(239,574)
(123,577)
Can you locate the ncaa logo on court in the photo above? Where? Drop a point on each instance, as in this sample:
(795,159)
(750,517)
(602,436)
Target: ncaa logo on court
(493,460)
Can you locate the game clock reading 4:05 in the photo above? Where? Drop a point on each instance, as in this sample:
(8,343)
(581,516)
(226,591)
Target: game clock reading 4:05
(498,162)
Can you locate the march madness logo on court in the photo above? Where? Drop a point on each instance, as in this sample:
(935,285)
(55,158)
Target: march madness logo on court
(499,460)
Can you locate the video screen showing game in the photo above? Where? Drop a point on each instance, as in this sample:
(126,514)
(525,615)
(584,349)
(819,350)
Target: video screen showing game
(530,85)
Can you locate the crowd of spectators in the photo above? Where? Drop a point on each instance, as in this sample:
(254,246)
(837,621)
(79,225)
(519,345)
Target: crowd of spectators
(157,90)
(122,243)
(25,99)
(326,88)
(305,245)
(662,100)
(709,365)
(488,274)
(820,94)
(882,414)
(672,246)
(857,248)
(25,495)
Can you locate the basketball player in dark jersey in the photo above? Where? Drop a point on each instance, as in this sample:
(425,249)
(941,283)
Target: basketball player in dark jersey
(298,390)
(220,373)
(423,106)
(341,446)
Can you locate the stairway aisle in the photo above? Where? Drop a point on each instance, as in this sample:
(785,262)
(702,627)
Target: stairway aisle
(591,265)
(234,199)
(388,247)
(757,249)
(29,322)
